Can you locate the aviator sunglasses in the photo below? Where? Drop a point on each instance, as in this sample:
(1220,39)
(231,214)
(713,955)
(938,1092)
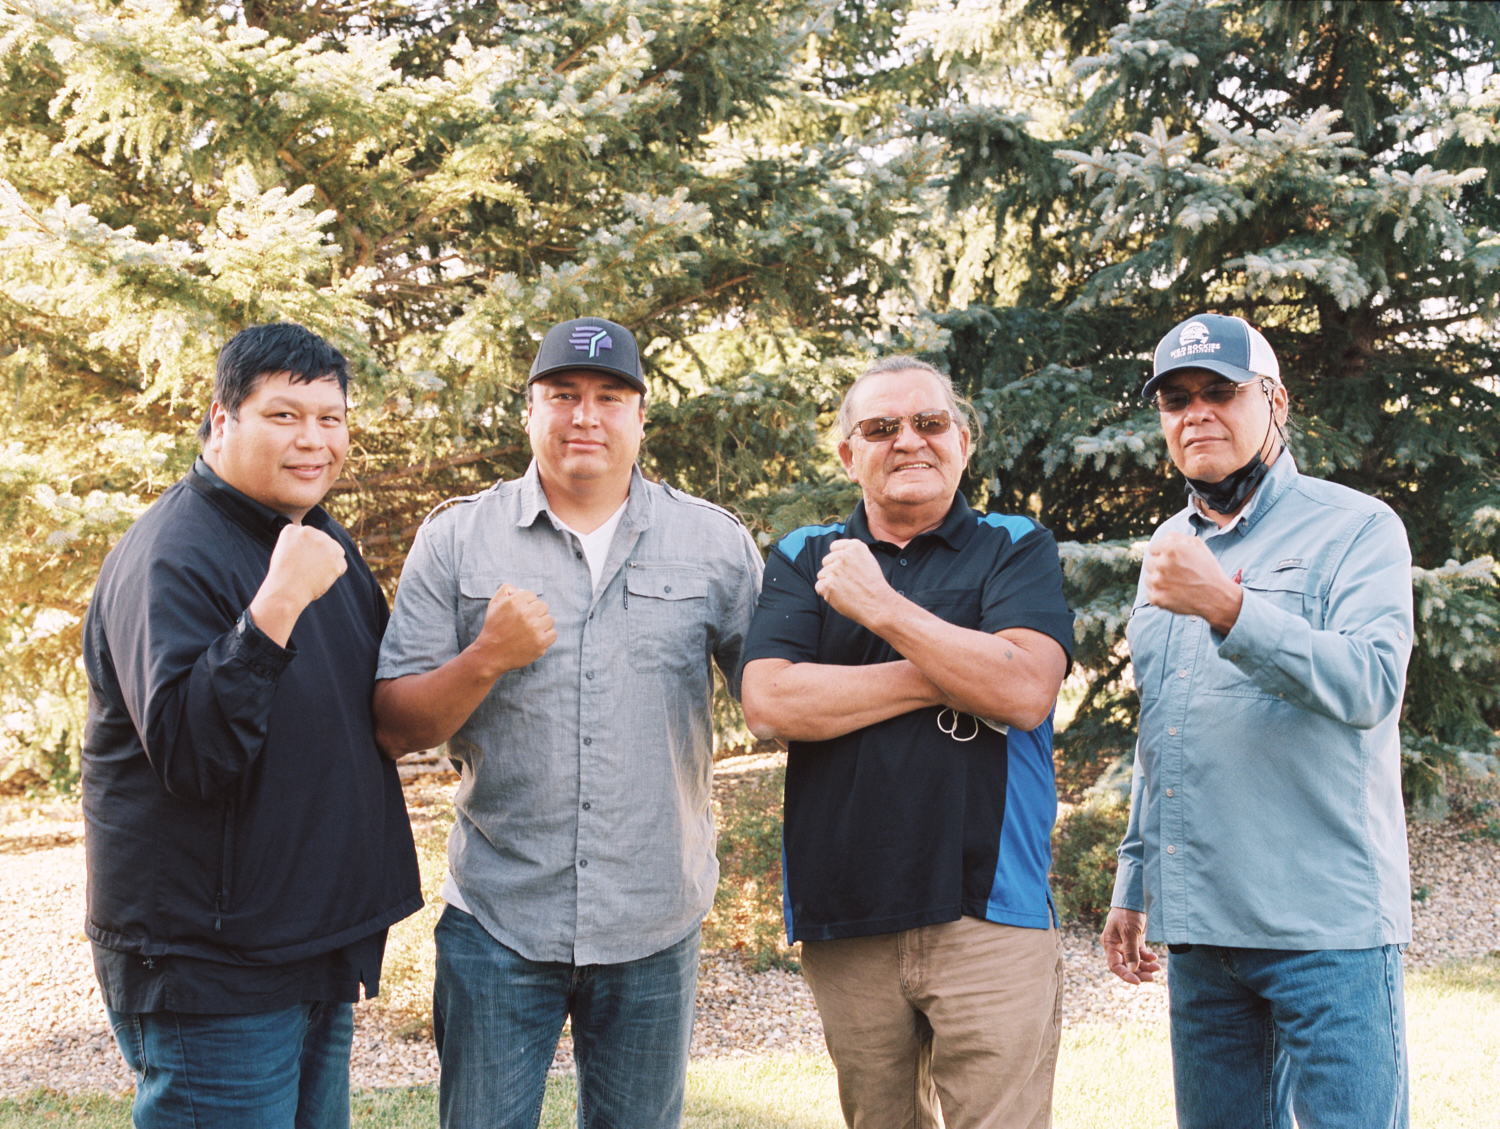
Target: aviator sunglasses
(925,424)
(1215,395)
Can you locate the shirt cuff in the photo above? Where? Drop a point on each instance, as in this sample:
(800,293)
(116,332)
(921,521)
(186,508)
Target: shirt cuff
(1255,636)
(1130,892)
(258,651)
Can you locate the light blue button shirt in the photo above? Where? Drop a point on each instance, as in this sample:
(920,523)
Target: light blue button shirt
(1266,799)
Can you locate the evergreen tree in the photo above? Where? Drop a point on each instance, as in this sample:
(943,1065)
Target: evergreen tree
(1327,171)
(430,187)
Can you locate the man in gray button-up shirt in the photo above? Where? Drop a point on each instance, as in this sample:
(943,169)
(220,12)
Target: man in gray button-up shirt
(557,632)
(1267,841)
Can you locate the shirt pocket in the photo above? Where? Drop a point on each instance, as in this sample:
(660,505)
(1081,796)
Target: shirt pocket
(952,605)
(1147,634)
(1289,589)
(476,589)
(666,613)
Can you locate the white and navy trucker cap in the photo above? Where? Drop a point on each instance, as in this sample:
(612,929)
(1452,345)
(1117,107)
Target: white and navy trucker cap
(590,343)
(1226,345)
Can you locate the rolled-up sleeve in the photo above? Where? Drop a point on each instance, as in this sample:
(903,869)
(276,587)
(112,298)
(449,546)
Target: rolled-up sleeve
(734,627)
(423,631)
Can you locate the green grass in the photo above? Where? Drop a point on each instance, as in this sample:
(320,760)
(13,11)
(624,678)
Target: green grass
(1452,1036)
(1108,1077)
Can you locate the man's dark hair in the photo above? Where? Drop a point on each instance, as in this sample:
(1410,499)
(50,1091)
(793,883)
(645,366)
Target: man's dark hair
(264,350)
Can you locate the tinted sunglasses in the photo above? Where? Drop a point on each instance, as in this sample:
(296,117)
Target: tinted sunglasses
(925,424)
(1215,395)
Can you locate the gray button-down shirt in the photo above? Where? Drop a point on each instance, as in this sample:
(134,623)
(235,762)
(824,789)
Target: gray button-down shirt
(1266,803)
(584,832)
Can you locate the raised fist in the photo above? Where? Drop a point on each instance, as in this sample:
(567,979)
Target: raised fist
(517,629)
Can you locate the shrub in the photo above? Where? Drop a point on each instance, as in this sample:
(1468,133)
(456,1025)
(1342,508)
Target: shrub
(1083,857)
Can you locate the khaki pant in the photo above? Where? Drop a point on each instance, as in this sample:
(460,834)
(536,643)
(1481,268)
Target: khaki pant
(964,1017)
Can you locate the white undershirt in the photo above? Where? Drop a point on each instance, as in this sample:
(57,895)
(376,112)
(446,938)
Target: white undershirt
(595,548)
(595,545)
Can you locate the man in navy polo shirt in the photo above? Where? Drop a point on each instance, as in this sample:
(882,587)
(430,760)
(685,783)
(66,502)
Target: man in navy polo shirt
(911,657)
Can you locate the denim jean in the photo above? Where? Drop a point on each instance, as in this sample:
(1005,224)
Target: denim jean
(286,1069)
(497,1017)
(1260,1033)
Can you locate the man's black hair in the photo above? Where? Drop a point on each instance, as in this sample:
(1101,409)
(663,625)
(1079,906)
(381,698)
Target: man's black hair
(264,350)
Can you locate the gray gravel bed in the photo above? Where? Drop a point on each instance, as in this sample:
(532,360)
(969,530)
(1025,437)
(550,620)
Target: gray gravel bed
(53,1033)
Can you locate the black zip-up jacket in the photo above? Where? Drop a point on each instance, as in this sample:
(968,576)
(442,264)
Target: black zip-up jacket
(236,806)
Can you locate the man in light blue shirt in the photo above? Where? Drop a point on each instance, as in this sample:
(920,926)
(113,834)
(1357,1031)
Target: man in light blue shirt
(1267,840)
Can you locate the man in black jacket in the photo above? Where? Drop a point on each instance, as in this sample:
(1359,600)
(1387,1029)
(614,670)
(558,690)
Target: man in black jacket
(248,845)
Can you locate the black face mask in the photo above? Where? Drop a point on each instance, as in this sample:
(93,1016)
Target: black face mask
(1228,495)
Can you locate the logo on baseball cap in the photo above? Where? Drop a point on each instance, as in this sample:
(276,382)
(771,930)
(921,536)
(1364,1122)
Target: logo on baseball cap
(594,344)
(1229,346)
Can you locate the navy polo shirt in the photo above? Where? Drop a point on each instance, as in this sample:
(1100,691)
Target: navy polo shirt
(928,816)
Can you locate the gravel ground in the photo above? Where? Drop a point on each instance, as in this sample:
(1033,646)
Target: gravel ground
(53,1034)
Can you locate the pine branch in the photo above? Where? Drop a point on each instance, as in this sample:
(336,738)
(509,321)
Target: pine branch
(354,483)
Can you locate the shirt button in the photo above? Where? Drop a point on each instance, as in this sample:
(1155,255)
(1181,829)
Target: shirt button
(667,588)
(588,740)
(589,675)
(578,553)
(900,591)
(587,806)
(1170,793)
(585,862)
(903,560)
(1172,729)
(1182,673)
(1192,619)
(1171,850)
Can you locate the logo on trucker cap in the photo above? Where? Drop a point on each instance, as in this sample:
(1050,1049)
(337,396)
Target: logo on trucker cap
(591,338)
(1194,339)
(1193,333)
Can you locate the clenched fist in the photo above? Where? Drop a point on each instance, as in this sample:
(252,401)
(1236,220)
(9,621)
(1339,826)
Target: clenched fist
(851,581)
(304,564)
(1182,575)
(517,629)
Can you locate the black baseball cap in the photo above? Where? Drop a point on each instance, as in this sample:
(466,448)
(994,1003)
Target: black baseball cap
(590,343)
(1229,346)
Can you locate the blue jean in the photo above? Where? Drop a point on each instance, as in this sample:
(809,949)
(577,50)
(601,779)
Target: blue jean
(285,1069)
(1260,1033)
(497,1017)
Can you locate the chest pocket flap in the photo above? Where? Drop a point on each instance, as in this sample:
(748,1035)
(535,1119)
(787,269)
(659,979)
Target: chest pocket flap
(474,592)
(667,614)
(1287,589)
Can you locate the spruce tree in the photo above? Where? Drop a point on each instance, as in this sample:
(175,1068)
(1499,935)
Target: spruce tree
(1327,171)
(430,187)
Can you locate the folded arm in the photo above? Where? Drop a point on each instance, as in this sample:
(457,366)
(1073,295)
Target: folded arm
(1011,676)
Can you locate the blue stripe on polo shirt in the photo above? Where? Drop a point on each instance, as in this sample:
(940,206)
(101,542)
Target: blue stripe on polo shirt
(1014,524)
(793,542)
(1020,894)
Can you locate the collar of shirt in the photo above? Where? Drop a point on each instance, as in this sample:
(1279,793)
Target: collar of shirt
(1282,474)
(531,501)
(956,528)
(261,522)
